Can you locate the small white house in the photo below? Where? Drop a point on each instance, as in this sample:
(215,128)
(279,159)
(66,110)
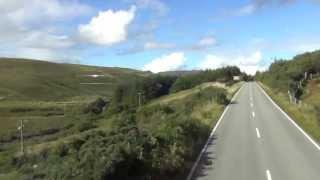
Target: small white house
(236,78)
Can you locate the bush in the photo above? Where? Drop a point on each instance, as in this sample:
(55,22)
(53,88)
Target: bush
(84,126)
(96,107)
(286,75)
(224,74)
(126,96)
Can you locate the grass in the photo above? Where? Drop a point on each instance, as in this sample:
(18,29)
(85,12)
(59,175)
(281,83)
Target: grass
(306,114)
(50,98)
(185,93)
(39,80)
(206,111)
(10,175)
(39,116)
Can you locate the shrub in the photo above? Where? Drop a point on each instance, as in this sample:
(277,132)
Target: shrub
(86,125)
(224,74)
(130,94)
(96,107)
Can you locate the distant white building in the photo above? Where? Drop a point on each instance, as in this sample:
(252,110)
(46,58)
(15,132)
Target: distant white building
(236,78)
(94,75)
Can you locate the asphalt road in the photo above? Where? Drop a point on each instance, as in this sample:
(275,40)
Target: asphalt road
(254,140)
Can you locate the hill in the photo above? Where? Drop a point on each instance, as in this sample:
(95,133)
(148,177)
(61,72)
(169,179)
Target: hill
(295,85)
(51,97)
(65,118)
(23,79)
(158,140)
(179,73)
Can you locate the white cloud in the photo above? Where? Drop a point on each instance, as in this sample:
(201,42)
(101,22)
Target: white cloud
(246,10)
(204,43)
(147,46)
(169,62)
(109,27)
(256,5)
(24,12)
(41,39)
(142,45)
(156,45)
(157,5)
(208,41)
(31,29)
(247,63)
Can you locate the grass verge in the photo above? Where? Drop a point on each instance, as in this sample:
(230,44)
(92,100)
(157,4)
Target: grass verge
(306,114)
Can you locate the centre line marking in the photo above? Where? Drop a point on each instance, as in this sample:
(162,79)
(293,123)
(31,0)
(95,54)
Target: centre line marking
(258,133)
(253,114)
(268,174)
(251,104)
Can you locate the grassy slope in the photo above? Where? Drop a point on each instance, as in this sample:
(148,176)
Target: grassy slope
(208,113)
(39,80)
(41,92)
(307,115)
(188,92)
(48,96)
(163,100)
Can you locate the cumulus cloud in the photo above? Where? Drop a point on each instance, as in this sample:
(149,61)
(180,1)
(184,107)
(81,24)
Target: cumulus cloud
(108,28)
(169,62)
(247,63)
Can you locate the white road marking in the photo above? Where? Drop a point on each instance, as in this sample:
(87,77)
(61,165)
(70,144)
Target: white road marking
(258,133)
(212,132)
(268,175)
(251,104)
(290,119)
(253,114)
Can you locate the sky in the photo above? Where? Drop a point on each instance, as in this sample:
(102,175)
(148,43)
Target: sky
(160,35)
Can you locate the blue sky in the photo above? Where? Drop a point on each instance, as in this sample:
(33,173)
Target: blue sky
(160,35)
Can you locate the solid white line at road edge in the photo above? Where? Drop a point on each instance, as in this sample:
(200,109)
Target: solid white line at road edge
(195,165)
(268,175)
(258,133)
(291,120)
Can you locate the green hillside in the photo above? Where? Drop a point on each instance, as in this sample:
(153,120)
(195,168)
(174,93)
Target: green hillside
(22,79)
(158,140)
(51,97)
(299,77)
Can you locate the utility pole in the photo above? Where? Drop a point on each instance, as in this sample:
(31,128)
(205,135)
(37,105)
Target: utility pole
(139,98)
(21,127)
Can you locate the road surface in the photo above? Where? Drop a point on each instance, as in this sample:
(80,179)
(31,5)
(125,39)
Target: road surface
(254,140)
